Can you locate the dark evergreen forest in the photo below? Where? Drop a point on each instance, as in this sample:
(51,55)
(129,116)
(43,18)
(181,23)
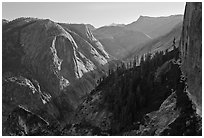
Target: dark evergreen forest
(130,91)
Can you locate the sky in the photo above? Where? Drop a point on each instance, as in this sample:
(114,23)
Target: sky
(97,14)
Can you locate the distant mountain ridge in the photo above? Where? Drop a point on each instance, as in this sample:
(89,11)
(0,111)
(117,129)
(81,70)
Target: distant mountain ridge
(155,26)
(117,40)
(161,43)
(134,34)
(116,24)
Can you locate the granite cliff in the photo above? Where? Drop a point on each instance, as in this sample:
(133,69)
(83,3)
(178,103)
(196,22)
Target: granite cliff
(48,67)
(191,51)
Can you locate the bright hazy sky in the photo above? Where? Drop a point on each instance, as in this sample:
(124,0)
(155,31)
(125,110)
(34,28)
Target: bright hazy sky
(97,14)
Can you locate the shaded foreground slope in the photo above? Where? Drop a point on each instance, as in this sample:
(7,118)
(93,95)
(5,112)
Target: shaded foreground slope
(149,99)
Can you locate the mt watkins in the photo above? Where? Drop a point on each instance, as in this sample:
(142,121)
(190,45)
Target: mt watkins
(119,41)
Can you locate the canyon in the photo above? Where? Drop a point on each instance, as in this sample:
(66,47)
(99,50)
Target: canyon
(142,78)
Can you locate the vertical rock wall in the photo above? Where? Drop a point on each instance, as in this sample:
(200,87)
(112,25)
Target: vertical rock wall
(191,51)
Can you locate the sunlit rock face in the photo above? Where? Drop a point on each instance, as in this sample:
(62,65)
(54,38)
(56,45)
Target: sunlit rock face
(49,64)
(191,51)
(18,90)
(83,31)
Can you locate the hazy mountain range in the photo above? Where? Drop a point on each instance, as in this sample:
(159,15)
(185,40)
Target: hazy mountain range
(119,40)
(161,43)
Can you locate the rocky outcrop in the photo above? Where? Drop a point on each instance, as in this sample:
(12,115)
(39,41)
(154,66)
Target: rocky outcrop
(4,21)
(191,51)
(91,27)
(160,119)
(23,122)
(52,65)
